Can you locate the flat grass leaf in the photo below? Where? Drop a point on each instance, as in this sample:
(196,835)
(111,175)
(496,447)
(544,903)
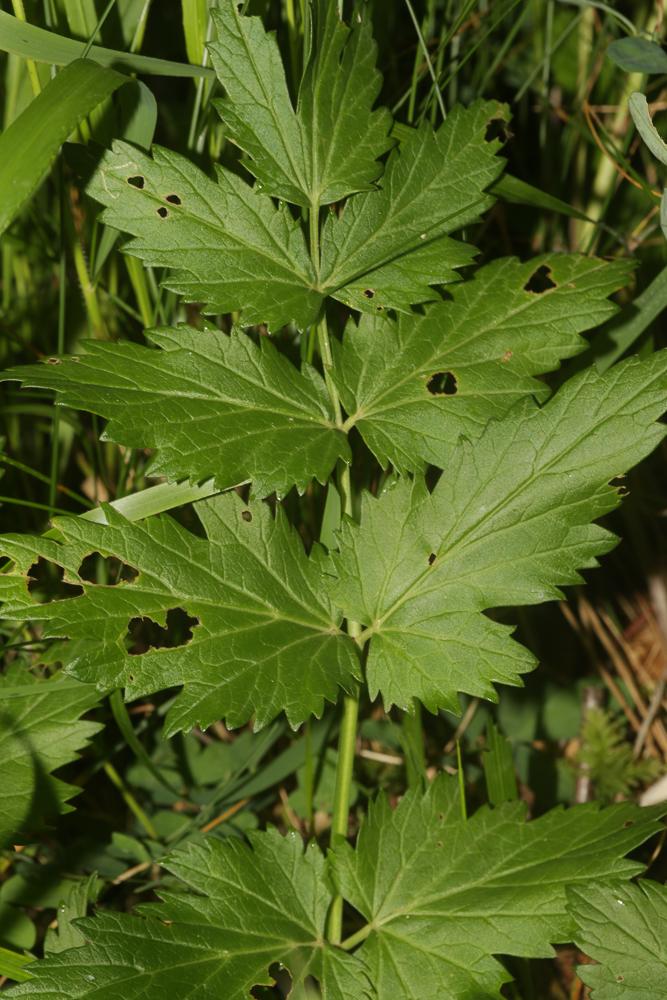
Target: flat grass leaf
(214,406)
(329,146)
(508,523)
(240,619)
(228,246)
(389,246)
(444,895)
(243,911)
(40,730)
(623,928)
(427,378)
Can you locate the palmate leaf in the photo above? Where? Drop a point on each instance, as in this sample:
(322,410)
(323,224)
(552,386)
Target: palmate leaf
(490,340)
(40,730)
(264,636)
(623,928)
(508,523)
(245,910)
(215,406)
(329,147)
(228,246)
(389,246)
(443,895)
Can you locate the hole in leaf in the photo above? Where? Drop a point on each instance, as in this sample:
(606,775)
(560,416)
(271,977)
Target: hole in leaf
(369,293)
(442,384)
(46,584)
(136,182)
(53,361)
(144,634)
(246,515)
(540,281)
(163,212)
(496,129)
(432,558)
(173,199)
(628,823)
(108,570)
(620,978)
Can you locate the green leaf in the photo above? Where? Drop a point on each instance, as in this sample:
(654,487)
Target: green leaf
(13,965)
(216,407)
(623,928)
(389,246)
(638,55)
(40,730)
(261,635)
(641,116)
(443,894)
(229,246)
(490,340)
(498,764)
(329,147)
(243,911)
(507,524)
(33,42)
(30,144)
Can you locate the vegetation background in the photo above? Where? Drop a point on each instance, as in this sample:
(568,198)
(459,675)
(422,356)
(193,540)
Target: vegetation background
(590,722)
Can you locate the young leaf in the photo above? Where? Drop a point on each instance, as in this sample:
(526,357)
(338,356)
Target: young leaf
(389,246)
(508,523)
(623,928)
(443,894)
(410,385)
(245,911)
(229,246)
(329,147)
(215,406)
(40,730)
(258,632)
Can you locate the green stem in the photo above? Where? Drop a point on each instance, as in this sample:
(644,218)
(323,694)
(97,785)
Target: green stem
(354,939)
(130,801)
(348,732)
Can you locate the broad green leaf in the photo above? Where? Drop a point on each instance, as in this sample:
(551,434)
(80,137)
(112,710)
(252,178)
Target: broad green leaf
(638,55)
(389,246)
(443,894)
(33,42)
(216,407)
(228,246)
(30,144)
(40,730)
(623,927)
(511,322)
(261,636)
(244,910)
(508,523)
(329,146)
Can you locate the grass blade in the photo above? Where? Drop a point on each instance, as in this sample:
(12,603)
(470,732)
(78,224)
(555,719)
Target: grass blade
(31,143)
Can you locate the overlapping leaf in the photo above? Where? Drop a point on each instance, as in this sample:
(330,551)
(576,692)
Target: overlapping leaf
(443,895)
(508,523)
(389,246)
(246,910)
(264,636)
(489,341)
(214,406)
(329,147)
(623,927)
(40,730)
(228,246)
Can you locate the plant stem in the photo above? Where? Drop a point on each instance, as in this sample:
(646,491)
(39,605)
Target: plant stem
(19,12)
(347,739)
